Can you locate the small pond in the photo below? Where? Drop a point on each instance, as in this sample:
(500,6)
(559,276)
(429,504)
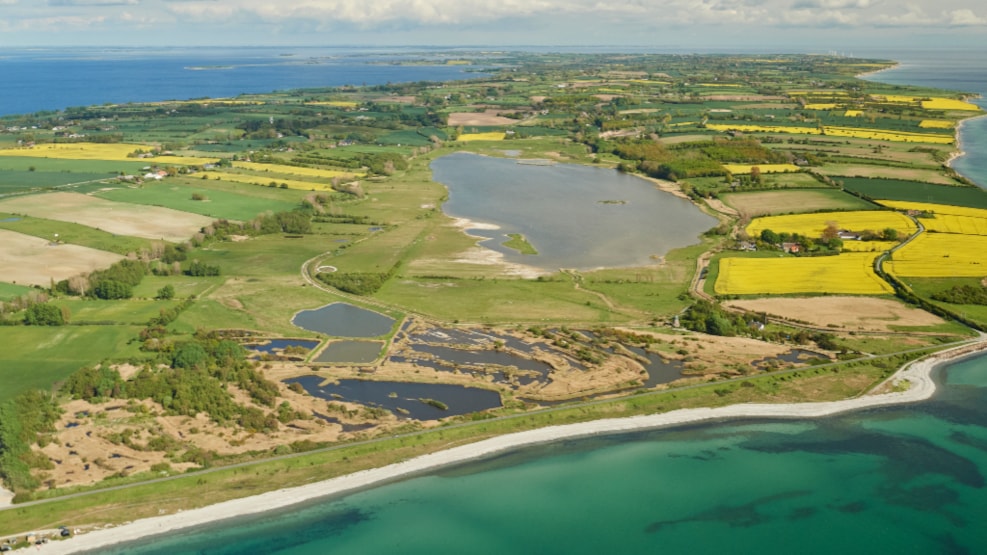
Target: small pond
(407,396)
(575,216)
(344,320)
(280,344)
(499,358)
(351,351)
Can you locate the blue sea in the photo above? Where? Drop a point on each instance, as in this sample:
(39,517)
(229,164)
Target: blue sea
(907,479)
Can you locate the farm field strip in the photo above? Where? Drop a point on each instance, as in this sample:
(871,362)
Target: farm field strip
(764,168)
(941,255)
(760,203)
(937,209)
(266,181)
(813,225)
(213,203)
(120,218)
(29,260)
(868,246)
(117,152)
(851,274)
(490,136)
(295,170)
(883,135)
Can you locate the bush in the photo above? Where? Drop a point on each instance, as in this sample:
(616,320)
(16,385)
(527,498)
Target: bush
(44,314)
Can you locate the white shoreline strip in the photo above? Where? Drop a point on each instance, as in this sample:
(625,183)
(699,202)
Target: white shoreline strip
(918,373)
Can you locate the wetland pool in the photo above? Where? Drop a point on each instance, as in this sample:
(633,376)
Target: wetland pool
(578,217)
(344,320)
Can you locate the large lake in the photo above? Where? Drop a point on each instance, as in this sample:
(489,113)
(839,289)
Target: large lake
(577,217)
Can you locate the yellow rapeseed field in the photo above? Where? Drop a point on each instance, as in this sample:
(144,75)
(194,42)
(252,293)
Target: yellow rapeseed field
(868,246)
(846,274)
(490,136)
(765,168)
(294,170)
(77,151)
(941,255)
(936,208)
(100,151)
(266,181)
(335,103)
(948,219)
(764,128)
(853,113)
(949,104)
(821,106)
(882,135)
(936,124)
(812,225)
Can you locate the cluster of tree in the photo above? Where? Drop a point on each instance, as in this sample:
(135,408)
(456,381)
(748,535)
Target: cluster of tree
(24,420)
(963,294)
(357,283)
(806,244)
(195,382)
(294,222)
(201,269)
(657,160)
(707,317)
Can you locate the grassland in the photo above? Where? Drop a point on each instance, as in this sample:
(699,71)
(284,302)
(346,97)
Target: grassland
(209,202)
(40,357)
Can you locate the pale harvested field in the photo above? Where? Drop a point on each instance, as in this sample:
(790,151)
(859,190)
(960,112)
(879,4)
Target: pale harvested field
(120,218)
(29,260)
(488,117)
(851,313)
(762,203)
(931,176)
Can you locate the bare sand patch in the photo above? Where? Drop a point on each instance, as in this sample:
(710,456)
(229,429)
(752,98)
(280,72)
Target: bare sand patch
(486,117)
(852,313)
(29,260)
(150,222)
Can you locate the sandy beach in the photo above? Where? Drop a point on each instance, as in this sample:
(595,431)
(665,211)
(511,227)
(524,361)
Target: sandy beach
(917,374)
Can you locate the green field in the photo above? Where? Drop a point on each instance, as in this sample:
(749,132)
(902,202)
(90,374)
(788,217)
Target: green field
(125,312)
(72,233)
(916,191)
(11,290)
(215,204)
(15,181)
(761,203)
(39,356)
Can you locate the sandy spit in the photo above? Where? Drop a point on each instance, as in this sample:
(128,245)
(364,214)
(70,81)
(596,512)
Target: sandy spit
(918,374)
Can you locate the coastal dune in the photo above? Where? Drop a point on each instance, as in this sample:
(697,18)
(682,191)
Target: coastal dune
(912,383)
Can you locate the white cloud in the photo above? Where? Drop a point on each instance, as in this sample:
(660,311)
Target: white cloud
(965,17)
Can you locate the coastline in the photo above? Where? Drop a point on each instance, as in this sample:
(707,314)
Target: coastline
(918,374)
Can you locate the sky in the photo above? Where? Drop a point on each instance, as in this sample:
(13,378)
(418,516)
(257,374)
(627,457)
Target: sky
(777,25)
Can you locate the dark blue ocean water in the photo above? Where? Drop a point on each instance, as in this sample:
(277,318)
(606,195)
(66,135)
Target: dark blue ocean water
(907,479)
(39,79)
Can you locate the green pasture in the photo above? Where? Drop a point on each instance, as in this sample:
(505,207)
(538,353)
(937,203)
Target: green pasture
(266,255)
(916,191)
(793,201)
(185,286)
(926,287)
(216,204)
(68,166)
(503,301)
(10,291)
(275,195)
(208,314)
(72,233)
(15,181)
(39,356)
(126,312)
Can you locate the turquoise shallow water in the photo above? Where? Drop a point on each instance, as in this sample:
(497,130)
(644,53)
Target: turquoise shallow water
(895,480)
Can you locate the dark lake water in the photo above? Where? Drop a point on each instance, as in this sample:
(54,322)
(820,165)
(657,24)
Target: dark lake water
(406,396)
(344,320)
(351,351)
(577,217)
